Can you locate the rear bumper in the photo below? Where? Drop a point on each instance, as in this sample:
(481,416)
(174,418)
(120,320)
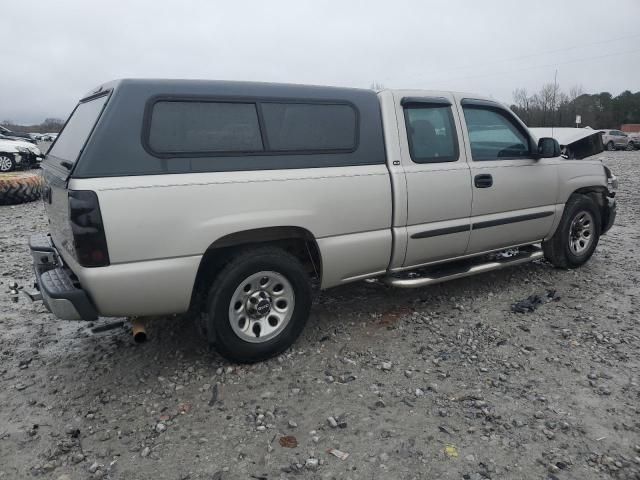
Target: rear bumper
(609,217)
(61,292)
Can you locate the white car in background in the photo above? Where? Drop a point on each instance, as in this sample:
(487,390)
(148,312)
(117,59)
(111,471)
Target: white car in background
(12,155)
(31,156)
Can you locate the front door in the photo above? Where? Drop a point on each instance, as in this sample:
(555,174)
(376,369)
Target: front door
(513,193)
(437,178)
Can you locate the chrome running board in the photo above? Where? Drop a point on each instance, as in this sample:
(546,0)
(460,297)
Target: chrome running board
(458,270)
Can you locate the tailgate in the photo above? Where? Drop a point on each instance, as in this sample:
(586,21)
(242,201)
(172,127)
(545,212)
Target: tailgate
(59,163)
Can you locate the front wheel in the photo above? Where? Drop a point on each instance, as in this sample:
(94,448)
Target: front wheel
(630,146)
(577,235)
(258,305)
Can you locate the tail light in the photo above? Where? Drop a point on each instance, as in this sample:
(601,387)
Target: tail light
(87,229)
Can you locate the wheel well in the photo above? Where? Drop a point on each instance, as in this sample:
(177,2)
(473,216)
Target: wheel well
(297,241)
(599,195)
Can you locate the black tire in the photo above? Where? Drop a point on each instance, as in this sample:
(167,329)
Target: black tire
(611,146)
(7,162)
(557,249)
(631,146)
(20,187)
(244,264)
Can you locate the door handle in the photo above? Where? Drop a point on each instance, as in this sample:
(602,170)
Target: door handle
(483,181)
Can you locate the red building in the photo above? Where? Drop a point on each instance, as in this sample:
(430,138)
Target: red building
(630,127)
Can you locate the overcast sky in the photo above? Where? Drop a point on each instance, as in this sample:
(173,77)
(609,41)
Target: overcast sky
(54,52)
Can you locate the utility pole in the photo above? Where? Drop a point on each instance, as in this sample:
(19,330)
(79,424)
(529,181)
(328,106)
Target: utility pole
(553,101)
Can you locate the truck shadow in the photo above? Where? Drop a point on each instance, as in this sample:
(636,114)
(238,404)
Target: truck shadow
(175,346)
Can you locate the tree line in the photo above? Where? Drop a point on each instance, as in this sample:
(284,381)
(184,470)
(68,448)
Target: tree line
(50,125)
(552,107)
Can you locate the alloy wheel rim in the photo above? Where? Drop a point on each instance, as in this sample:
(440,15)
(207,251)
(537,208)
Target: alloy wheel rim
(581,232)
(261,306)
(5,164)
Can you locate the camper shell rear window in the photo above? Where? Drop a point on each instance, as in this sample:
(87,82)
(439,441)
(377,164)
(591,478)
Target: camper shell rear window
(75,133)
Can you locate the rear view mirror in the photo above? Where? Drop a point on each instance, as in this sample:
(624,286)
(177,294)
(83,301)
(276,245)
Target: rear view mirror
(548,148)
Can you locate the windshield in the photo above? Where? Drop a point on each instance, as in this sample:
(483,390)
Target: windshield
(77,130)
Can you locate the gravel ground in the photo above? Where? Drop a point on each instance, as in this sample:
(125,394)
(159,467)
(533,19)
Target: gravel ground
(443,382)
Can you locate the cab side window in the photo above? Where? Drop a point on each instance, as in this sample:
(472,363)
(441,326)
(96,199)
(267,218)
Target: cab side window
(431,133)
(494,136)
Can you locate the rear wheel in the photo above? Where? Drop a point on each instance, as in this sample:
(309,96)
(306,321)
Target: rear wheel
(258,305)
(7,163)
(577,235)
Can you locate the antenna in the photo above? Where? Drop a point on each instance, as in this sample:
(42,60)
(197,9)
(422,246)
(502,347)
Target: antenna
(553,104)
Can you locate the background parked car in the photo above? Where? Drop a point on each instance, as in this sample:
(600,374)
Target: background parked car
(12,156)
(31,156)
(618,140)
(635,139)
(21,135)
(49,137)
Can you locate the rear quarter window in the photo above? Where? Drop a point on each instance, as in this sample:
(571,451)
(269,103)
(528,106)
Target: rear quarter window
(431,134)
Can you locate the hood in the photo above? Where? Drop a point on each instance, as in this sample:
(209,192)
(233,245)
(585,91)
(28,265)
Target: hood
(28,145)
(564,135)
(575,142)
(9,146)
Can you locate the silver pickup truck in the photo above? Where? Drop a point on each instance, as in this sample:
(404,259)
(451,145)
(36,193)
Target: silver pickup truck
(231,199)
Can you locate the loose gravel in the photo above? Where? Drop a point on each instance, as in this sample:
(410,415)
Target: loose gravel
(443,382)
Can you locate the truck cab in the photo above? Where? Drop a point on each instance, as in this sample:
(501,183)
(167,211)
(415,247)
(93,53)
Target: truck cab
(474,180)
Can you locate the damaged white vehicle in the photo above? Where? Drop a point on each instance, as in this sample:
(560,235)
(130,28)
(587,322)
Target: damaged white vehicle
(30,155)
(12,156)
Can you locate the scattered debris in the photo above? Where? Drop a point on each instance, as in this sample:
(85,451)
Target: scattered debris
(451,451)
(214,395)
(337,453)
(531,303)
(288,441)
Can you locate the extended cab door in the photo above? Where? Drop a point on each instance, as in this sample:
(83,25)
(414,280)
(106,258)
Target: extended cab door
(437,177)
(513,193)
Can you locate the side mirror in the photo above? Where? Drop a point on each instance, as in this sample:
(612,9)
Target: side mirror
(548,148)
